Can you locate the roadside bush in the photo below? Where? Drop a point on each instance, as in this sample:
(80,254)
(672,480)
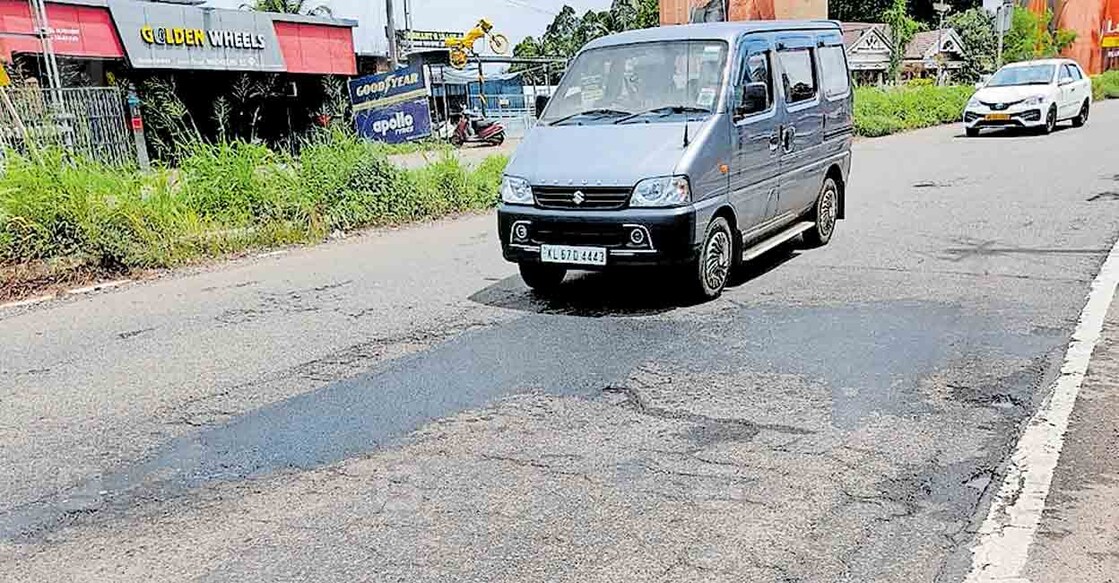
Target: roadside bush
(222,198)
(1105,86)
(882,111)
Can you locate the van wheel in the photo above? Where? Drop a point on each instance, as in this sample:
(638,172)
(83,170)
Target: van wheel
(826,213)
(542,277)
(711,269)
(1082,117)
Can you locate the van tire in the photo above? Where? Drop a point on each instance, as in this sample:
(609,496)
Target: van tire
(825,214)
(711,270)
(542,277)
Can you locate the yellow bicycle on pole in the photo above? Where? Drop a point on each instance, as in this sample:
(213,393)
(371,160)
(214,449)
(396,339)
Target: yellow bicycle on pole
(462,48)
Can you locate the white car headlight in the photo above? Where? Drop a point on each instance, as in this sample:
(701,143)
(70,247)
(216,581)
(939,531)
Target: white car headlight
(515,190)
(661,192)
(1035,100)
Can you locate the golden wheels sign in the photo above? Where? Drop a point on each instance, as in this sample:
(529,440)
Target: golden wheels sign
(196,37)
(178,36)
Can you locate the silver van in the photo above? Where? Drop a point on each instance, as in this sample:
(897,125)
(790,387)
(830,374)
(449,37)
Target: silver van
(693,147)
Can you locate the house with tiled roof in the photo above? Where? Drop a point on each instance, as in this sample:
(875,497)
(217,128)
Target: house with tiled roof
(868,52)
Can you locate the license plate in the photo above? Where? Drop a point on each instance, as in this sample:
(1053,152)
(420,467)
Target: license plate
(998,116)
(573,255)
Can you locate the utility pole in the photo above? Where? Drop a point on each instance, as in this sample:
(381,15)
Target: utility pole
(941,8)
(1002,23)
(390,32)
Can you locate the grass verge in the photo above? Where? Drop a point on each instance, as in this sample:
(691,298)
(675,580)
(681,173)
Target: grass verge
(884,111)
(62,217)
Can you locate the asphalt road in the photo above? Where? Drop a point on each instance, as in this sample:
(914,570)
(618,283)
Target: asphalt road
(396,406)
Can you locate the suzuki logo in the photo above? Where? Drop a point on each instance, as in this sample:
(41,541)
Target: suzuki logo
(578,197)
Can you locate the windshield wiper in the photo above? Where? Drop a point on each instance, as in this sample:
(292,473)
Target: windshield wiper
(589,112)
(664,110)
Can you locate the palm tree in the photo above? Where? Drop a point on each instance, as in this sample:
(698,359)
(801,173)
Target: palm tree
(287,7)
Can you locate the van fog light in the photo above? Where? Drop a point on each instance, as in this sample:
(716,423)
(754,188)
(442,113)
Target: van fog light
(520,232)
(637,236)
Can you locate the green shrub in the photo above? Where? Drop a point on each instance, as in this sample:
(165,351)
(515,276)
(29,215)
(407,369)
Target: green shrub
(223,198)
(882,111)
(1105,86)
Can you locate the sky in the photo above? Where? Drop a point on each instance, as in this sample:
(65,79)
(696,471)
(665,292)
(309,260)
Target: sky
(515,19)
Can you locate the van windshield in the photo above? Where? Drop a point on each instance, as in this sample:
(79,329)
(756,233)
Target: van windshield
(645,82)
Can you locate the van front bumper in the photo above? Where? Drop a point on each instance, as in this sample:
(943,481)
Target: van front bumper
(667,236)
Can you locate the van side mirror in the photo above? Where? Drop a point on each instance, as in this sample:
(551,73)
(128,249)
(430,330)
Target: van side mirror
(755,99)
(541,103)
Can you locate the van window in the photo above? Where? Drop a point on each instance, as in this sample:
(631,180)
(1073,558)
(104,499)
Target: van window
(798,75)
(755,68)
(658,81)
(834,66)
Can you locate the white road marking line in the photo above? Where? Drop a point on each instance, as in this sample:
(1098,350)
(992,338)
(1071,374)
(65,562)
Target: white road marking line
(98,287)
(27,302)
(1005,537)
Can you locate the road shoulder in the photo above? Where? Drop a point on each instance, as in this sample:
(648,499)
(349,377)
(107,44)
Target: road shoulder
(1078,540)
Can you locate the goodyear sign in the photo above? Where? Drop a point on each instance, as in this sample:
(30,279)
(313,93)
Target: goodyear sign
(384,89)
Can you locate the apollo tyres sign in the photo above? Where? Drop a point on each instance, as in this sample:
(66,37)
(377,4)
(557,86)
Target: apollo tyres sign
(176,36)
(391,107)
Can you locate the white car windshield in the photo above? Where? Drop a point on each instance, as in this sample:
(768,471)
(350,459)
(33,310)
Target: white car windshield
(1023,75)
(644,82)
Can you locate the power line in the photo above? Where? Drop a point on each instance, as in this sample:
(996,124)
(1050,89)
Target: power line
(524,4)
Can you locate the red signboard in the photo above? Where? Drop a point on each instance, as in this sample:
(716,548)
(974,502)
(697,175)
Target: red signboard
(317,48)
(80,31)
(88,31)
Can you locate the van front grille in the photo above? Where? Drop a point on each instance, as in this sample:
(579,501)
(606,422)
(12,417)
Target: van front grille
(568,197)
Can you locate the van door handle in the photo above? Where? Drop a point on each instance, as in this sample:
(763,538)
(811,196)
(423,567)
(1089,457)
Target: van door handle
(774,141)
(787,139)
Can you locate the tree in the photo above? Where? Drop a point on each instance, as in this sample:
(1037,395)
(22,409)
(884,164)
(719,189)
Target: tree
(1029,37)
(287,7)
(568,32)
(857,10)
(976,28)
(902,29)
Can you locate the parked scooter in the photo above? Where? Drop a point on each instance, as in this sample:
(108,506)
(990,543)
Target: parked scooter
(473,128)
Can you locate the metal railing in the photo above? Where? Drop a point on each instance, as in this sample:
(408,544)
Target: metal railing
(88,121)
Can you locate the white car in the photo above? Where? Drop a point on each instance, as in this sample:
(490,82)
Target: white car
(1031,94)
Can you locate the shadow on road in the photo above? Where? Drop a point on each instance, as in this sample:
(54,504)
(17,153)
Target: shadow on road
(630,292)
(1012,133)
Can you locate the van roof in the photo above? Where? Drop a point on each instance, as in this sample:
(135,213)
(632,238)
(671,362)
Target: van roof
(727,31)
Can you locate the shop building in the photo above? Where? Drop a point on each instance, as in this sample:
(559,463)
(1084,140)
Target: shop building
(206,55)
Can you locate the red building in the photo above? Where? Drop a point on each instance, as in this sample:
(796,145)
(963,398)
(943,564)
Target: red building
(105,35)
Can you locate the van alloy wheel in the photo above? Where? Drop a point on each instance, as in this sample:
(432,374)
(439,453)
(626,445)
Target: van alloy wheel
(826,213)
(716,260)
(711,270)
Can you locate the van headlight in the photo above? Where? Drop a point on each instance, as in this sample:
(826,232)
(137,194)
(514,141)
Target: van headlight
(1035,100)
(662,191)
(515,190)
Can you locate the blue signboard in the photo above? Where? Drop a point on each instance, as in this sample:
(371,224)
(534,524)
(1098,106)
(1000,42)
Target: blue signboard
(375,91)
(400,122)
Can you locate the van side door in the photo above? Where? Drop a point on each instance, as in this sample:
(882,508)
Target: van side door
(835,85)
(802,171)
(756,136)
